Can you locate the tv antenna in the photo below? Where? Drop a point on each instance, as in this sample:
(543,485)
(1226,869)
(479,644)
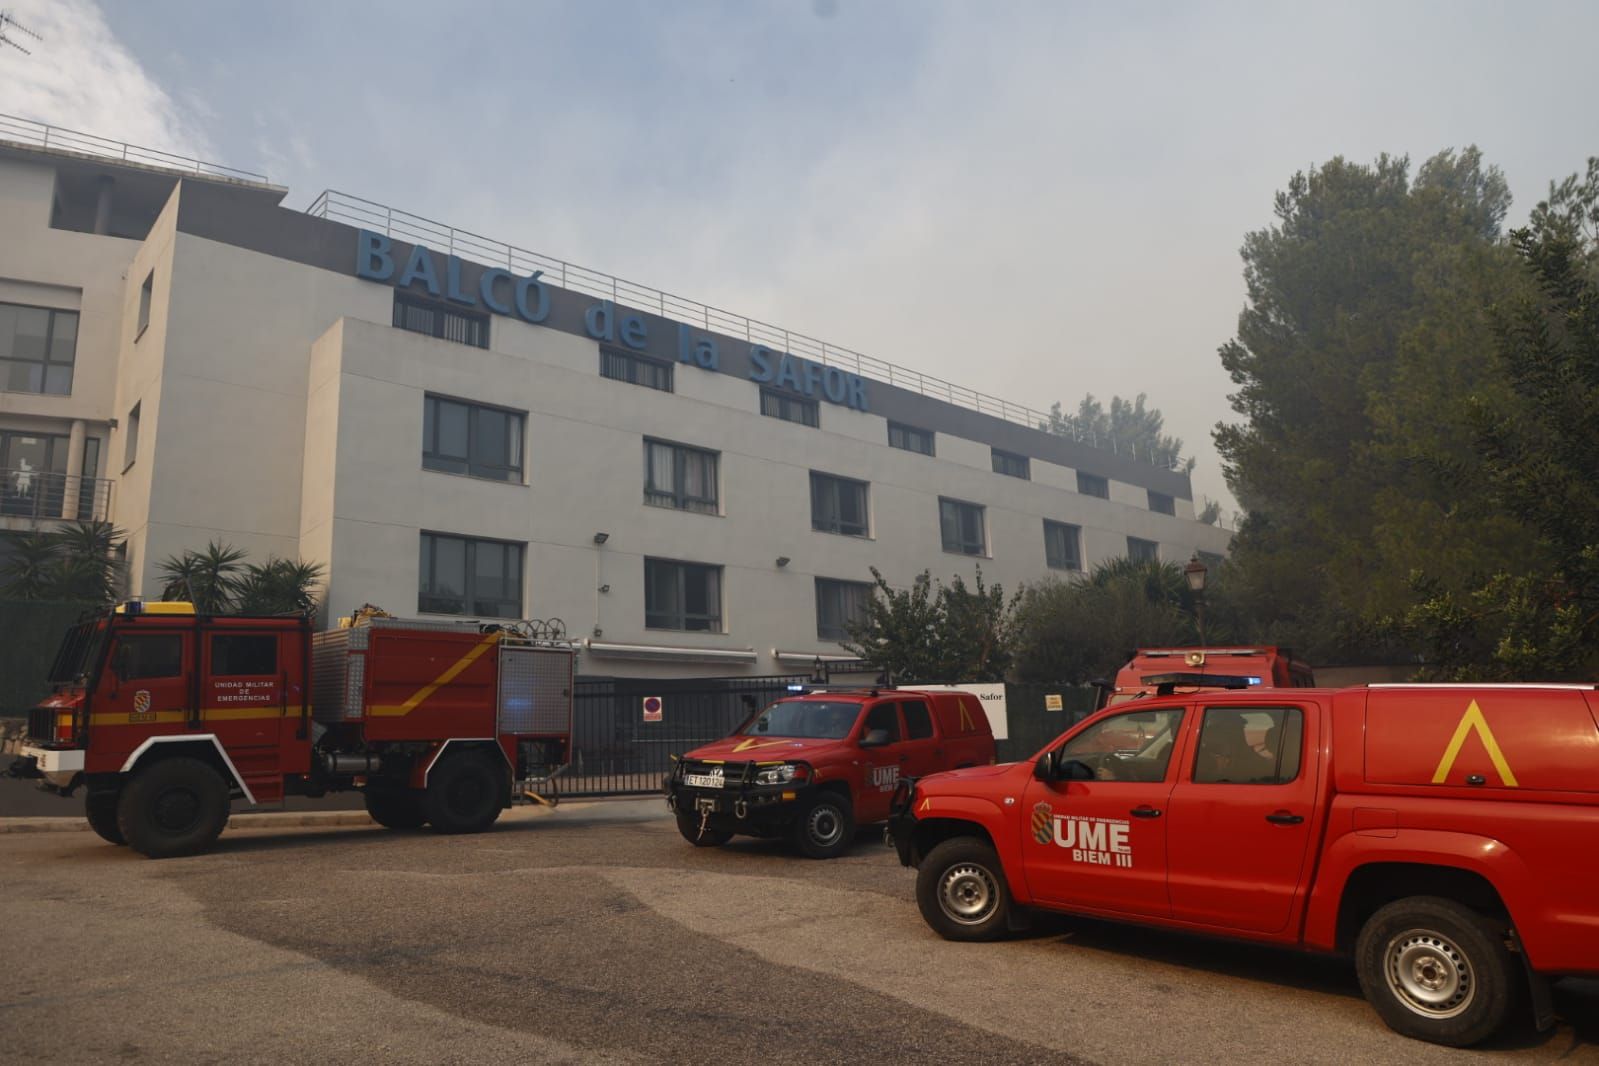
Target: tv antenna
(9,25)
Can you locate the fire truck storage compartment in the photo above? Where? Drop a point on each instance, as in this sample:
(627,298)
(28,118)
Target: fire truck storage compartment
(338,665)
(535,690)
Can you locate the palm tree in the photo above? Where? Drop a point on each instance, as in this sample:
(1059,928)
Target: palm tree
(207,579)
(30,572)
(278,586)
(87,568)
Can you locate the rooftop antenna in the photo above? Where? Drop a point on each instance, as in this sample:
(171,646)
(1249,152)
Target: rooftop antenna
(11,25)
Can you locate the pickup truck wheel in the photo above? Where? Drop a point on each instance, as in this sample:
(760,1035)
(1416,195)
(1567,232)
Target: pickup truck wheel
(1437,970)
(689,826)
(464,794)
(101,810)
(172,807)
(825,827)
(394,807)
(961,891)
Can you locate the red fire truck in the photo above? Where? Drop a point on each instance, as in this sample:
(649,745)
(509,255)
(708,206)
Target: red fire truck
(1160,671)
(164,717)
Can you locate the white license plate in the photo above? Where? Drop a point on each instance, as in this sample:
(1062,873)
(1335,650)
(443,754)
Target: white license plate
(703,780)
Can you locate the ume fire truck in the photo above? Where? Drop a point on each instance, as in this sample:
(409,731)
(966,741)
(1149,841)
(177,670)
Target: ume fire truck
(164,717)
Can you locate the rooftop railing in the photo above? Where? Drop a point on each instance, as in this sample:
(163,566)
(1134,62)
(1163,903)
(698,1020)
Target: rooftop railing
(414,229)
(41,135)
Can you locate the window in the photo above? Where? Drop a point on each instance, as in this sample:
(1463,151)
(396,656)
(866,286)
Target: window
(838,505)
(38,346)
(910,439)
(1211,560)
(130,441)
(1254,747)
(839,603)
(1135,746)
(684,596)
(1011,465)
(676,475)
(244,655)
(1063,545)
(918,722)
(1164,504)
(467,438)
(149,655)
(961,525)
(1142,551)
(146,291)
(440,320)
(460,575)
(619,365)
(1093,485)
(790,408)
(883,717)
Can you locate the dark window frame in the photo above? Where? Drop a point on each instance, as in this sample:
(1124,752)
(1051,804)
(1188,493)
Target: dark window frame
(130,438)
(1162,503)
(1011,464)
(821,484)
(146,299)
(468,465)
(227,669)
(677,618)
(1093,485)
(430,602)
(443,321)
(909,436)
(962,546)
(129,640)
(1141,550)
(678,498)
(776,403)
(1073,535)
(619,364)
(917,727)
(825,629)
(1277,758)
(47,362)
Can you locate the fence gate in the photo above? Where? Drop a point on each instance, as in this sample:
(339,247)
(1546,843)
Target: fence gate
(616,749)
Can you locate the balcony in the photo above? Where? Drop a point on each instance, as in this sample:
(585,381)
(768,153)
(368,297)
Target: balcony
(30,497)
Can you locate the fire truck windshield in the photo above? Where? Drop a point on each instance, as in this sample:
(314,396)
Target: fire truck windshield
(77,652)
(805,718)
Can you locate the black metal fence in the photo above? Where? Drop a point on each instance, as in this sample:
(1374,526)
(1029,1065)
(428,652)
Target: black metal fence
(616,749)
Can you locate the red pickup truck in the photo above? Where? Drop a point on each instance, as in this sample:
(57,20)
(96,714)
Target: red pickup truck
(1446,837)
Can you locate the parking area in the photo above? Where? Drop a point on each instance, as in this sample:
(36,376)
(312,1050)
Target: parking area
(595,934)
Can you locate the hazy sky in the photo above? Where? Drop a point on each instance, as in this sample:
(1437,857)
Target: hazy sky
(1037,201)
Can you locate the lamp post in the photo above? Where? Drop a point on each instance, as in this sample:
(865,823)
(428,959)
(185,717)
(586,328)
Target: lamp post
(1194,573)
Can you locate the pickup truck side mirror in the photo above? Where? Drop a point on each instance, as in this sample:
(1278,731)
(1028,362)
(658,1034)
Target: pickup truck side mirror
(874,738)
(1044,768)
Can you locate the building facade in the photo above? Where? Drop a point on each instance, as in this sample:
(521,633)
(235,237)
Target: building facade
(451,431)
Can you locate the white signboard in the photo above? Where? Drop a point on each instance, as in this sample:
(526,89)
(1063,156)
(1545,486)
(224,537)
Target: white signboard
(992,697)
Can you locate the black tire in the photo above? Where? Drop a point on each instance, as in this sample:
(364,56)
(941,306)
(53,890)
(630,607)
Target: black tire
(824,827)
(101,810)
(464,794)
(175,806)
(689,826)
(962,892)
(1437,970)
(395,807)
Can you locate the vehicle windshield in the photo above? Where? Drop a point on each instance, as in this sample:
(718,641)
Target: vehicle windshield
(816,719)
(77,652)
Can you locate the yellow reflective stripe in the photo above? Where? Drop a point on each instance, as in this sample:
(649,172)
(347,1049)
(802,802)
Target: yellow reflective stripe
(210,714)
(389,711)
(1473,720)
(746,745)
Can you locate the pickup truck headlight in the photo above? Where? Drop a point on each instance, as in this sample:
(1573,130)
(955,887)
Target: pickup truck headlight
(782,775)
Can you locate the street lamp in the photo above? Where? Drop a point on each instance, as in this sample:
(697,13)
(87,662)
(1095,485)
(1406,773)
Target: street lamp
(1194,573)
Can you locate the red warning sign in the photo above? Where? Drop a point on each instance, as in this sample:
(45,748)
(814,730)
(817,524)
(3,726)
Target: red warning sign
(652,708)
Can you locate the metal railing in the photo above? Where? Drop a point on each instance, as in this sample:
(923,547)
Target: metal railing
(414,229)
(40,495)
(42,135)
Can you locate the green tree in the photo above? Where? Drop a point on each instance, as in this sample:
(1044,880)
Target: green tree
(76,562)
(278,586)
(208,579)
(1128,427)
(1362,343)
(1083,628)
(935,632)
(30,572)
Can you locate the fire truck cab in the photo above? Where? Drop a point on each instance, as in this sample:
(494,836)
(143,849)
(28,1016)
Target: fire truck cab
(165,717)
(1161,671)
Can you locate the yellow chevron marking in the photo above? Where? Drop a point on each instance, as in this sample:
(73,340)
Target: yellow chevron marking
(1474,720)
(439,682)
(746,745)
(966,718)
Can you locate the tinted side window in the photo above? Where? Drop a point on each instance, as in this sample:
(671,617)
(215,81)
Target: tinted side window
(1135,746)
(150,655)
(237,655)
(1249,747)
(918,722)
(883,717)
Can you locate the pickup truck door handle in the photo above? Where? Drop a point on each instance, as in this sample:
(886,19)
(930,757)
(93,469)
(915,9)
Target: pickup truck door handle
(1284,818)
(1145,811)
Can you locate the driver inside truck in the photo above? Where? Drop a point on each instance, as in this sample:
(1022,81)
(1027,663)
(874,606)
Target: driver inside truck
(1225,754)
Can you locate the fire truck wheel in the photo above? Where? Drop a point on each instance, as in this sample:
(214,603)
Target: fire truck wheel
(101,810)
(1437,970)
(689,826)
(961,890)
(173,807)
(395,808)
(825,827)
(464,794)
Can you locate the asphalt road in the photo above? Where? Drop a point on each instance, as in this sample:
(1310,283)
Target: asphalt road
(22,798)
(595,934)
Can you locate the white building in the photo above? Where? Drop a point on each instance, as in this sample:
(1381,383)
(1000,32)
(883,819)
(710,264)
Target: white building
(448,433)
